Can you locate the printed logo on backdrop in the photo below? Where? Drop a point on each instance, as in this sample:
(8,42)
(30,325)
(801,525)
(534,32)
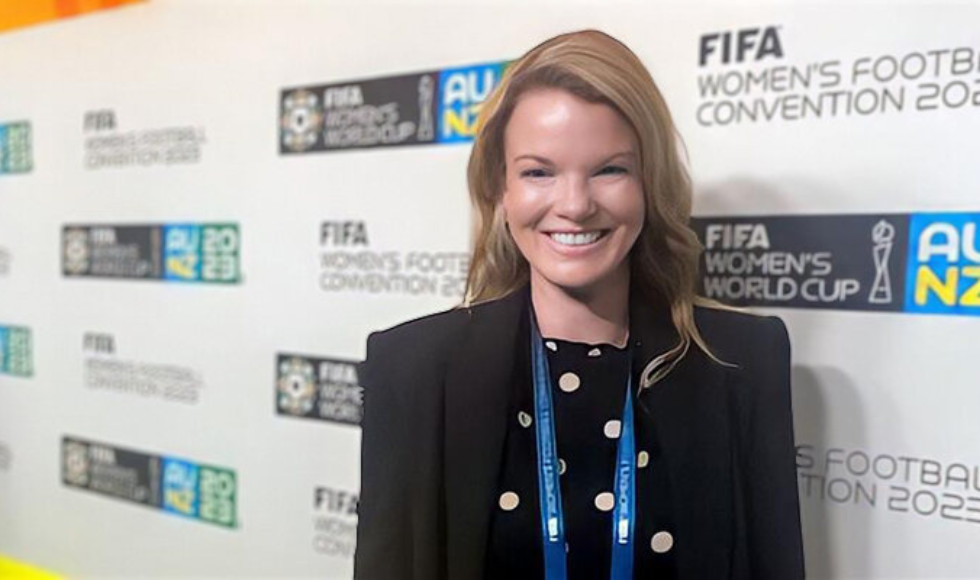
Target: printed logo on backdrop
(944,267)
(862,479)
(349,263)
(104,370)
(407,109)
(16,147)
(462,92)
(170,484)
(5,259)
(753,75)
(180,252)
(924,262)
(852,262)
(371,113)
(16,351)
(107,146)
(334,521)
(318,388)
(6,456)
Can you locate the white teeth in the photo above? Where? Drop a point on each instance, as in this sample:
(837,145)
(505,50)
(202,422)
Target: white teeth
(576,239)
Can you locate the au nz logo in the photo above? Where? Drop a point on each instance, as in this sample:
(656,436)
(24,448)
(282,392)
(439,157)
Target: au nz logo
(943,271)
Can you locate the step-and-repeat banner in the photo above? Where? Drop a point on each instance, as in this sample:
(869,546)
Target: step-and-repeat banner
(205,208)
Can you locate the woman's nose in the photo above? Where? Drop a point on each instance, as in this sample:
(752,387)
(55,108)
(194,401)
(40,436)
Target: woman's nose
(574,199)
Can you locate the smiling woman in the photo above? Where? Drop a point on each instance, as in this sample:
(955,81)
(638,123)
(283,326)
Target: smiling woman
(500,439)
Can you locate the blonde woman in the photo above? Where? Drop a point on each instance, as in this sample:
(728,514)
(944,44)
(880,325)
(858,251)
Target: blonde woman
(583,414)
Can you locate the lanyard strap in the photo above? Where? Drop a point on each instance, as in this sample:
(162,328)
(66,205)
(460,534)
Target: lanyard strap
(549,488)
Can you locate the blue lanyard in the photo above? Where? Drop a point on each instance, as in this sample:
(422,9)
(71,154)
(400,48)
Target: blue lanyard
(549,489)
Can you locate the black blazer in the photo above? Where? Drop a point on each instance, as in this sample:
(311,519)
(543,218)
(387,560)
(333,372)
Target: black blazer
(435,410)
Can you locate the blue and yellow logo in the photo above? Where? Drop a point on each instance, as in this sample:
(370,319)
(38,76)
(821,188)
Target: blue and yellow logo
(182,252)
(201,252)
(180,485)
(462,92)
(943,272)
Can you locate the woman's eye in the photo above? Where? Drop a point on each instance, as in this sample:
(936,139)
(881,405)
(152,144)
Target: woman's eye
(534,173)
(612,169)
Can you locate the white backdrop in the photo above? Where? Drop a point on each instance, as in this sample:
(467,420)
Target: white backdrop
(189,370)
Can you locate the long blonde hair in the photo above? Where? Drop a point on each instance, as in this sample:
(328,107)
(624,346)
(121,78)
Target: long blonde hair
(664,261)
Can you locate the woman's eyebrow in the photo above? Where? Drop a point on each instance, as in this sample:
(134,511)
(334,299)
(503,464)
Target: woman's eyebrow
(537,158)
(547,161)
(620,154)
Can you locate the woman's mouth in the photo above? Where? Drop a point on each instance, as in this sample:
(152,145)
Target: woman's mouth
(577,239)
(570,241)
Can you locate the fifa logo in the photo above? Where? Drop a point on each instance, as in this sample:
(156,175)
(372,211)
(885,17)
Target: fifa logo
(740,45)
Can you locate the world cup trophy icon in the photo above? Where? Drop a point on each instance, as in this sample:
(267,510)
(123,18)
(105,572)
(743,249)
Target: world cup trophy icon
(883,235)
(426,128)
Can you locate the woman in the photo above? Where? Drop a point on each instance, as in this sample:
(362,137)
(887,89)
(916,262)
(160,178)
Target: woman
(498,440)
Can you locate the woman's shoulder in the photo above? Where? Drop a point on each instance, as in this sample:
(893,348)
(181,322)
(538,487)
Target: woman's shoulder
(425,342)
(425,325)
(444,324)
(420,337)
(740,333)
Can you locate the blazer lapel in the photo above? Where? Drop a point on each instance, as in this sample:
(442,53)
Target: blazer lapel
(690,414)
(476,398)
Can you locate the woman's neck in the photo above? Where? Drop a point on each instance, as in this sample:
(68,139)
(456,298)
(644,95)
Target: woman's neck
(595,315)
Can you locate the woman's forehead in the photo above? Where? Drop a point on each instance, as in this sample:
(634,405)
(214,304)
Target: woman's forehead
(554,124)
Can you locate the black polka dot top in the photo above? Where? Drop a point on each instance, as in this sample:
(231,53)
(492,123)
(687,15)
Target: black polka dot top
(588,383)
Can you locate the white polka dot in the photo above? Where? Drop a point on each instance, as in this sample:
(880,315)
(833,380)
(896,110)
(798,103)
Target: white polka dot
(605,501)
(642,459)
(509,500)
(595,352)
(569,382)
(661,542)
(551,345)
(561,466)
(524,419)
(612,428)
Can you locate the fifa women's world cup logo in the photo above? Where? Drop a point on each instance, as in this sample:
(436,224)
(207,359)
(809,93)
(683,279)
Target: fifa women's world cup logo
(75,463)
(296,386)
(76,251)
(301,120)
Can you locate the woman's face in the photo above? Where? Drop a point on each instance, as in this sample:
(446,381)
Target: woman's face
(573,196)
